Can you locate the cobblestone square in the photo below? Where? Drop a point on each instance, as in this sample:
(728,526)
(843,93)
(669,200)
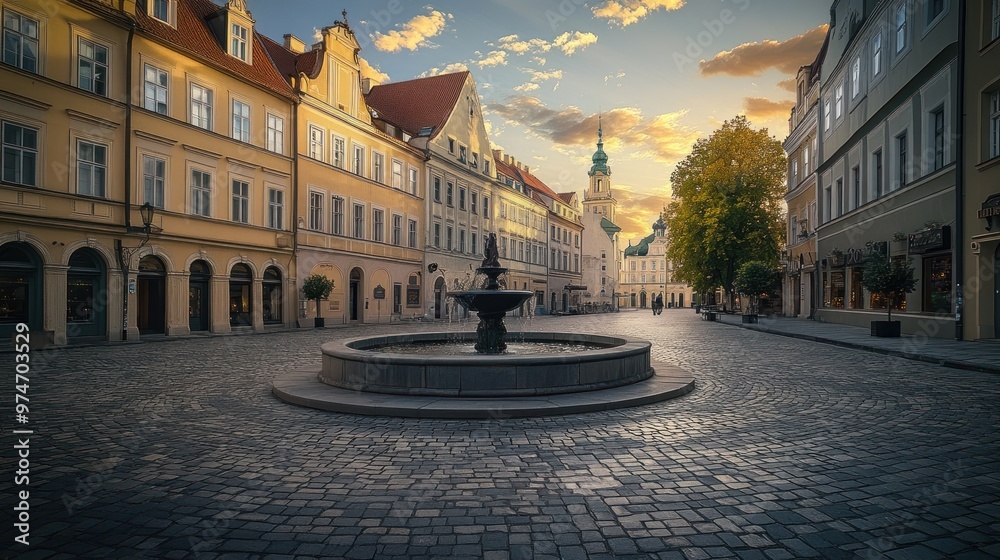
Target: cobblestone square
(786,449)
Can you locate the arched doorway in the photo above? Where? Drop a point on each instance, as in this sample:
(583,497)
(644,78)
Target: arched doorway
(20,288)
(642,300)
(439,293)
(271,300)
(240,296)
(680,300)
(199,302)
(354,295)
(86,295)
(565,303)
(150,295)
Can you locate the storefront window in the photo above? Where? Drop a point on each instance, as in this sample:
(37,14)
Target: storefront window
(837,289)
(271,300)
(240,300)
(857,291)
(937,284)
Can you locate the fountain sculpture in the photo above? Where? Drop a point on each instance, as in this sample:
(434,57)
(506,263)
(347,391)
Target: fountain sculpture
(490,302)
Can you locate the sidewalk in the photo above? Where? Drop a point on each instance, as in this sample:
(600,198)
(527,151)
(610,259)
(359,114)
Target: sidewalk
(975,356)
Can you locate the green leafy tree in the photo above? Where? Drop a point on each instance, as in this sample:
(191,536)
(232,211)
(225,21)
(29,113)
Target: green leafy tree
(726,209)
(890,278)
(753,279)
(317,287)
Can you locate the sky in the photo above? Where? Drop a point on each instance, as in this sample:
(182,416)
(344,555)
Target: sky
(662,73)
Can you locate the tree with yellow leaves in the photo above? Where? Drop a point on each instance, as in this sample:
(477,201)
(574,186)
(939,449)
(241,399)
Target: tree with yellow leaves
(726,207)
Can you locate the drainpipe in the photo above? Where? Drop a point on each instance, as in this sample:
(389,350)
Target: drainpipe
(959,250)
(125,263)
(295,198)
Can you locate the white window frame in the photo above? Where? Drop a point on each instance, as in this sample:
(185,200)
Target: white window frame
(358,220)
(314,216)
(240,122)
(316,142)
(876,58)
(201,110)
(170,18)
(23,152)
(201,194)
(900,23)
(378,167)
(153,92)
(827,109)
(275,208)
(413,179)
(339,152)
(275,133)
(838,101)
(239,40)
(97,171)
(378,225)
(411,233)
(994,123)
(337,204)
(23,38)
(239,209)
(397,174)
(358,159)
(81,42)
(396,237)
(153,184)
(856,78)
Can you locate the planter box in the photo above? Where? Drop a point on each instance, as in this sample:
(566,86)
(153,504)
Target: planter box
(750,318)
(886,329)
(319,322)
(709,316)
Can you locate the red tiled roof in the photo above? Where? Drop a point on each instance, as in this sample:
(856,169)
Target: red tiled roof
(567,197)
(193,35)
(415,104)
(534,183)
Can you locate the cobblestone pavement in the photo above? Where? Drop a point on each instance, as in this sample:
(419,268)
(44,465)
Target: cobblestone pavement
(786,449)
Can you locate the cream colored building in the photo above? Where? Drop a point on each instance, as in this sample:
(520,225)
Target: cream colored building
(359,189)
(647,274)
(601,258)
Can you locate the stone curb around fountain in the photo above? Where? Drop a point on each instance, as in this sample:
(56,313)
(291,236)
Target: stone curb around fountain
(303,388)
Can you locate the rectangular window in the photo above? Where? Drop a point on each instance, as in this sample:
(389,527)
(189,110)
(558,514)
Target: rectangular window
(486,167)
(461,198)
(805,162)
(856,187)
(451,194)
(900,27)
(91,168)
(397,174)
(837,289)
(996,20)
(461,241)
(877,173)
(412,234)
(241,121)
(154,177)
(451,145)
(20,41)
(337,216)
(437,235)
(154,96)
(316,211)
(473,202)
(20,154)
(995,123)
(275,134)
(857,300)
(901,159)
(937,120)
(378,168)
(339,151)
(937,284)
(856,78)
(486,207)
(201,193)
(201,107)
(275,209)
(795,173)
(838,101)
(316,138)
(359,221)
(93,67)
(241,201)
(397,229)
(413,178)
(474,245)
(160,10)
(934,9)
(462,154)
(450,238)
(474,162)
(378,225)
(358,166)
(839,195)
(826,115)
(437,189)
(877,54)
(238,42)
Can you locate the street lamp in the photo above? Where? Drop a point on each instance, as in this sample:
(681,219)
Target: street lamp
(125,255)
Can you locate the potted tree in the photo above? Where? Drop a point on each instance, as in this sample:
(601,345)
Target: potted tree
(890,278)
(753,279)
(317,287)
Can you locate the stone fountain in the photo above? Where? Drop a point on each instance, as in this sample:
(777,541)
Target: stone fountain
(490,302)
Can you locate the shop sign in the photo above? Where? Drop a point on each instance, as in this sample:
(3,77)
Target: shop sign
(935,239)
(990,209)
(378,292)
(857,257)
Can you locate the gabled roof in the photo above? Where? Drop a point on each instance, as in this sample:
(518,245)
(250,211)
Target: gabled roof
(419,103)
(507,169)
(290,64)
(609,227)
(194,35)
(567,197)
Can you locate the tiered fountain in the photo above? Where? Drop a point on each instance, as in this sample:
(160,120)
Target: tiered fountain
(439,376)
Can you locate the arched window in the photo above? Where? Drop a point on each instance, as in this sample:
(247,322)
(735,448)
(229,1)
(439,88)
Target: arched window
(86,305)
(240,296)
(20,288)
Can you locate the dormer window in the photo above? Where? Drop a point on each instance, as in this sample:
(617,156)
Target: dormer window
(462,154)
(163,10)
(238,42)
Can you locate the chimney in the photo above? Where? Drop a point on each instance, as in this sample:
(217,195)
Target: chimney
(294,44)
(498,154)
(367,84)
(527,169)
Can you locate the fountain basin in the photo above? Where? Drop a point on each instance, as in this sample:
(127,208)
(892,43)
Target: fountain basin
(349,364)
(491,301)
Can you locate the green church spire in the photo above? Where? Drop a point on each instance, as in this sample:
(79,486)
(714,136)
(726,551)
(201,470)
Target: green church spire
(600,158)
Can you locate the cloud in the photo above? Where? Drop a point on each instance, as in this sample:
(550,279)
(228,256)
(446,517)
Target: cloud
(662,137)
(569,43)
(614,76)
(447,69)
(638,210)
(369,71)
(495,58)
(527,86)
(414,33)
(788,84)
(513,44)
(763,108)
(317,35)
(752,59)
(627,12)
(539,60)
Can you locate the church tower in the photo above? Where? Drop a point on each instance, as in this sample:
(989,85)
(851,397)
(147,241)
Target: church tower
(597,199)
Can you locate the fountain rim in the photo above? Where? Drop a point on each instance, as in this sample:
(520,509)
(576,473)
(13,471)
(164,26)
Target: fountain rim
(617,346)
